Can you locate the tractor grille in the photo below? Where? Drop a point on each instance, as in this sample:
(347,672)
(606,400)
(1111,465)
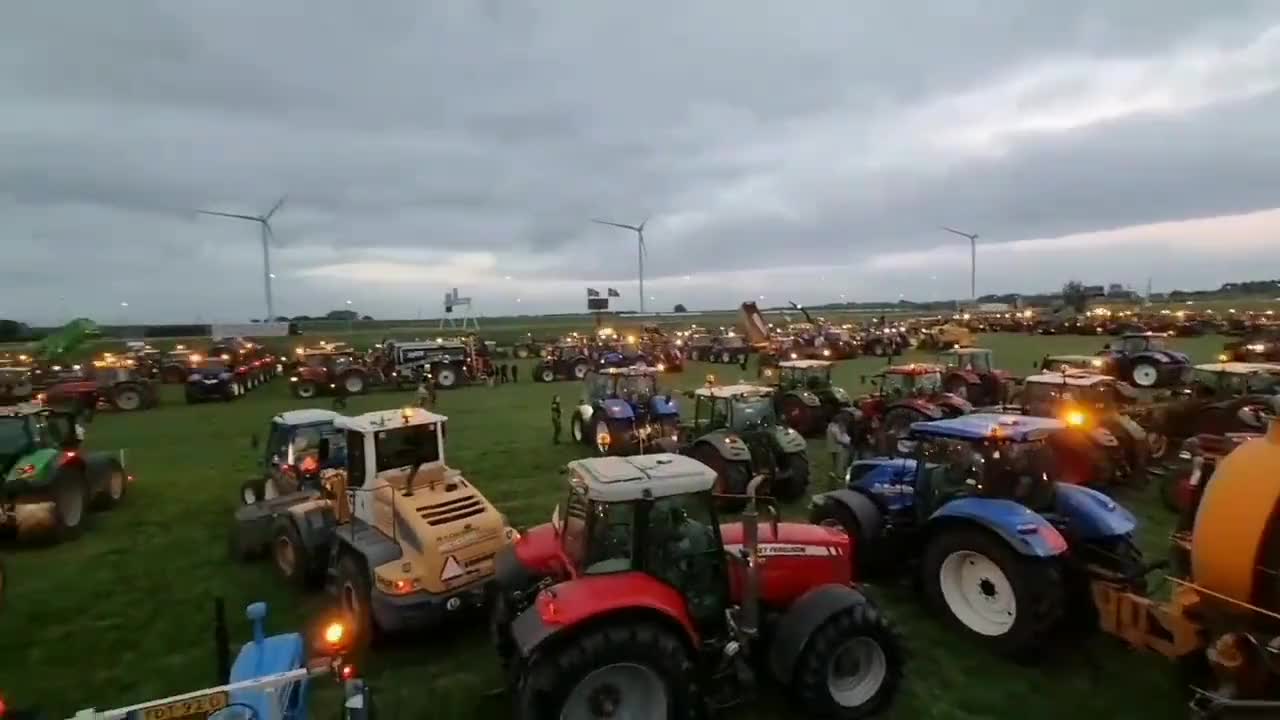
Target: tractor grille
(452,510)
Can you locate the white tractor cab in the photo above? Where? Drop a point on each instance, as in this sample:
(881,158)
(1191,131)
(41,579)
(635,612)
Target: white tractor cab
(403,539)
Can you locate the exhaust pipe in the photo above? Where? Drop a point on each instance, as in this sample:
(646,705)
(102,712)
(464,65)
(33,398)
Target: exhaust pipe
(750,547)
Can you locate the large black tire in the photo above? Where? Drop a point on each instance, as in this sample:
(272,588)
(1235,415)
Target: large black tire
(112,486)
(732,478)
(851,666)
(354,596)
(127,397)
(69,493)
(1036,585)
(867,559)
(305,389)
(290,556)
(552,676)
(796,482)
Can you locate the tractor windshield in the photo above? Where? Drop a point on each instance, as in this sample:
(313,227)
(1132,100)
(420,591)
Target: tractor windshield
(958,468)
(406,446)
(15,439)
(897,384)
(753,412)
(636,387)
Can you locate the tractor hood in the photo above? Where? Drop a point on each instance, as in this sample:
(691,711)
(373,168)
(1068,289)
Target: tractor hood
(618,409)
(839,395)
(797,558)
(33,470)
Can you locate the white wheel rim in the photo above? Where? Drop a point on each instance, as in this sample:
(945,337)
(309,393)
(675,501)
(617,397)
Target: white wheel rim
(579,371)
(115,485)
(445,377)
(576,430)
(128,400)
(548,376)
(353,384)
(621,690)
(602,428)
(247,495)
(856,672)
(978,593)
(70,504)
(306,390)
(1145,375)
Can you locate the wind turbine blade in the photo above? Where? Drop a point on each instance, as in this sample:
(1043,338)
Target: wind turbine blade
(617,225)
(961,233)
(640,228)
(275,207)
(230,215)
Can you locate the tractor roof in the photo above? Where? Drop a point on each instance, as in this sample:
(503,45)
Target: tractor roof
(620,479)
(966,351)
(982,426)
(805,364)
(731,391)
(1074,378)
(307,416)
(387,419)
(1241,368)
(632,371)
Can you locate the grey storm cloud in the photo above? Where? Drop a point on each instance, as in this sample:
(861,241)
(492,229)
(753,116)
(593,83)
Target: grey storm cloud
(424,145)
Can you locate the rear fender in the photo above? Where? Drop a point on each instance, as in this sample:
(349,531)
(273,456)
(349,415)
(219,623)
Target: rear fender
(729,450)
(1027,532)
(663,405)
(806,397)
(798,623)
(575,605)
(889,484)
(788,441)
(1092,515)
(865,511)
(616,409)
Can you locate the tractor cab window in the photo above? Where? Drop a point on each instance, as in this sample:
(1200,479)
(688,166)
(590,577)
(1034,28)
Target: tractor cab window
(753,412)
(719,413)
(683,549)
(15,438)
(611,538)
(355,459)
(1018,471)
(406,446)
(278,443)
(634,388)
(1138,344)
(947,469)
(977,362)
(573,533)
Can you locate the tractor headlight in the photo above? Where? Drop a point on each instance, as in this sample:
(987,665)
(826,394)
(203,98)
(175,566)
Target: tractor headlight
(1222,357)
(826,352)
(397,586)
(1257,347)
(1075,418)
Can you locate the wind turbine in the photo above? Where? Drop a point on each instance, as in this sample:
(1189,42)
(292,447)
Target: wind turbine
(641,250)
(265,222)
(973,259)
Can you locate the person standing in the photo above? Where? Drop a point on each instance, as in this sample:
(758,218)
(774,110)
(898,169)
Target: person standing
(425,401)
(838,443)
(515,373)
(555,420)
(502,370)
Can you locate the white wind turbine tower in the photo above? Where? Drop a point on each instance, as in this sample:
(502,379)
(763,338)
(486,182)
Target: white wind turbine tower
(264,221)
(641,249)
(973,259)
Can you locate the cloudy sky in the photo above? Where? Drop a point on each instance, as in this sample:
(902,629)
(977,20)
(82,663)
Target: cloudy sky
(799,150)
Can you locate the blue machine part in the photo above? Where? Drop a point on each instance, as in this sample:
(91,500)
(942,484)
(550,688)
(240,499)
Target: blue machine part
(618,409)
(268,656)
(982,426)
(663,405)
(1026,531)
(889,480)
(1092,515)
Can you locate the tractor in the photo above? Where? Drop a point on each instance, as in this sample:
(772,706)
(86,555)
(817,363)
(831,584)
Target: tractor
(1258,346)
(1103,445)
(563,362)
(806,400)
(212,378)
(252,364)
(904,394)
(1143,360)
(292,455)
(735,431)
(969,373)
(1222,398)
(698,346)
(269,679)
(15,385)
(49,484)
(323,372)
(1000,549)
(110,382)
(622,412)
(635,601)
(174,364)
(945,337)
(399,538)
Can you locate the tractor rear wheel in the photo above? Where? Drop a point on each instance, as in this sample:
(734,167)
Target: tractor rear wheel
(446,376)
(851,666)
(732,477)
(354,383)
(292,559)
(1144,374)
(624,669)
(305,389)
(127,397)
(114,485)
(793,479)
(580,369)
(1006,601)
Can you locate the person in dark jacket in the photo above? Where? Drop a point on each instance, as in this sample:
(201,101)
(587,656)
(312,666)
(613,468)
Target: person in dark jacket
(502,371)
(515,373)
(555,420)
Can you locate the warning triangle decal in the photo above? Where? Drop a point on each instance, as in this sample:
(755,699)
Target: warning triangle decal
(452,569)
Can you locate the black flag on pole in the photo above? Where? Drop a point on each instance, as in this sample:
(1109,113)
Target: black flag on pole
(592,292)
(614,293)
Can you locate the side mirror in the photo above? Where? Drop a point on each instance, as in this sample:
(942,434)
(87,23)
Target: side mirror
(322,451)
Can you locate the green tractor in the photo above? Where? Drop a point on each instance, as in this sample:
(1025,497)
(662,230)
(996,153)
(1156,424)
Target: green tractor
(735,431)
(806,400)
(47,485)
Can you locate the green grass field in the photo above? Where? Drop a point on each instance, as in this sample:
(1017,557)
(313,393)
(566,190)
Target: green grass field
(124,614)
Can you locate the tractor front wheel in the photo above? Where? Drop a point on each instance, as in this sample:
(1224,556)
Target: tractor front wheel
(1006,601)
(305,389)
(792,481)
(354,597)
(127,397)
(547,374)
(291,557)
(354,383)
(446,376)
(580,369)
(624,669)
(851,666)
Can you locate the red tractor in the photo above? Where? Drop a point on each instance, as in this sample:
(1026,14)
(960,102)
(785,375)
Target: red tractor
(904,394)
(969,374)
(637,602)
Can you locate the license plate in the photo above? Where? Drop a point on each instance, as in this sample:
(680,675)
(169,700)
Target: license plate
(196,708)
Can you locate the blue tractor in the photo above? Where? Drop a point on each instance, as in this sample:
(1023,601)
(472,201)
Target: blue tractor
(974,512)
(623,412)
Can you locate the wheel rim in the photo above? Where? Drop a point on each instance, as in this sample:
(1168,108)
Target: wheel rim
(445,377)
(128,400)
(115,485)
(856,672)
(286,556)
(70,503)
(621,690)
(576,431)
(1145,375)
(978,593)
(548,376)
(248,496)
(306,390)
(579,371)
(353,383)
(602,430)
(1157,444)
